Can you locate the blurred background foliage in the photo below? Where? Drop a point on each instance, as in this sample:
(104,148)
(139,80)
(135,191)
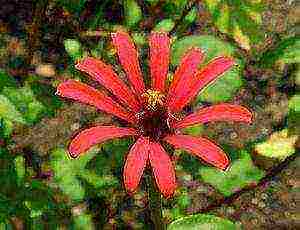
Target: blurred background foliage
(42,188)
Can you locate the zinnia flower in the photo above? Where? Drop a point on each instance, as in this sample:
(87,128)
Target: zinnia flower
(152,114)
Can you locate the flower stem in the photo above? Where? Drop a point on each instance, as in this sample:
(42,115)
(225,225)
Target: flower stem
(154,199)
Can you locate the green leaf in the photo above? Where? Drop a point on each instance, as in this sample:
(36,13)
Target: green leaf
(99,181)
(240,19)
(73,48)
(26,103)
(279,145)
(133,13)
(241,173)
(293,115)
(139,39)
(224,88)
(191,16)
(165,25)
(287,51)
(83,221)
(36,209)
(6,128)
(202,222)
(9,112)
(67,171)
(294,103)
(6,80)
(20,168)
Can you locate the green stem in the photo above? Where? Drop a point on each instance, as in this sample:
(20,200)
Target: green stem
(154,199)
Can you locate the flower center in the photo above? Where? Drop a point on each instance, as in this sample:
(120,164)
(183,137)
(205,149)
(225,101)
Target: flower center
(154,99)
(153,118)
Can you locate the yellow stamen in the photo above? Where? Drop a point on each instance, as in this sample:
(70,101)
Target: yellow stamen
(154,98)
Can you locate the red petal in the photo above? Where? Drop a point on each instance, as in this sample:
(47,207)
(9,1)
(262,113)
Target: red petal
(128,57)
(135,164)
(86,94)
(159,43)
(221,112)
(162,169)
(183,75)
(200,147)
(89,137)
(105,75)
(205,76)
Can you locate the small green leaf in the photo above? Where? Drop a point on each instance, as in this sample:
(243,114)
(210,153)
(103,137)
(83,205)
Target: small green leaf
(83,221)
(26,103)
(202,222)
(35,208)
(191,16)
(294,103)
(6,80)
(8,111)
(139,39)
(99,181)
(72,187)
(279,145)
(224,88)
(73,48)
(240,173)
(20,168)
(183,200)
(67,171)
(6,127)
(133,13)
(165,25)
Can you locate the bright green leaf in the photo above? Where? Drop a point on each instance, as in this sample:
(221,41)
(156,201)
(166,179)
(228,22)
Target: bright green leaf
(279,145)
(73,48)
(8,110)
(191,16)
(83,221)
(202,222)
(67,171)
(224,88)
(139,39)
(6,80)
(35,208)
(6,127)
(165,25)
(133,12)
(294,103)
(20,168)
(99,181)
(241,173)
(25,102)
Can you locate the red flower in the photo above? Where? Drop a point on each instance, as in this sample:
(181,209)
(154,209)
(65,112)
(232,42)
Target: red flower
(151,114)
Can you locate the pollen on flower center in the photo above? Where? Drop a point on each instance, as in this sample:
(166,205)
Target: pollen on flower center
(154,99)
